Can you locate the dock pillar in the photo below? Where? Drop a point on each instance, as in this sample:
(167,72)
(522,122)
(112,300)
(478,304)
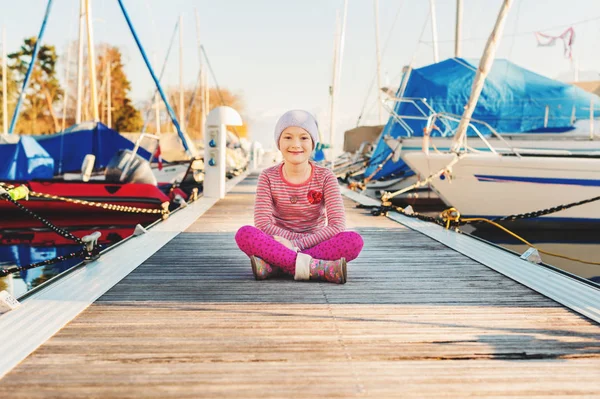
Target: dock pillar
(215,143)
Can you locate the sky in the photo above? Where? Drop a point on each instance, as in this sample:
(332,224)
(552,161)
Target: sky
(278,54)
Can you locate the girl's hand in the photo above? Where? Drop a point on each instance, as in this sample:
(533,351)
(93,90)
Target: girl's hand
(285,242)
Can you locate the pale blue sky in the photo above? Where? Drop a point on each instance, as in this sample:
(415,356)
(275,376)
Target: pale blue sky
(278,53)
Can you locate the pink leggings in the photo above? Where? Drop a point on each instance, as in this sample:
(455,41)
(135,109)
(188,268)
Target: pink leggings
(252,241)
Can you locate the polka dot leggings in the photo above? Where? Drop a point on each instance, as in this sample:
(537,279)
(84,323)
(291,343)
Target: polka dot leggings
(252,241)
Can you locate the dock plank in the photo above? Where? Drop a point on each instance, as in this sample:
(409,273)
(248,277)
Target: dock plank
(416,319)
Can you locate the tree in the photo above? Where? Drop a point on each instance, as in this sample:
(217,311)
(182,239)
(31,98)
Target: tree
(192,125)
(37,115)
(124,116)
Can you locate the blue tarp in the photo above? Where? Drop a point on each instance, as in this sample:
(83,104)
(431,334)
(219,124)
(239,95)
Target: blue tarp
(70,147)
(513,100)
(25,160)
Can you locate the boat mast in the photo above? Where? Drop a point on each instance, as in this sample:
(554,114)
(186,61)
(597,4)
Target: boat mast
(459,10)
(185,140)
(65,94)
(181,99)
(109,94)
(91,60)
(202,77)
(36,49)
(336,39)
(378,94)
(4,84)
(338,56)
(436,55)
(484,67)
(80,62)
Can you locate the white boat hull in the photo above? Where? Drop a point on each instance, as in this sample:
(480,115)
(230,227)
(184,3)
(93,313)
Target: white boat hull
(491,185)
(561,144)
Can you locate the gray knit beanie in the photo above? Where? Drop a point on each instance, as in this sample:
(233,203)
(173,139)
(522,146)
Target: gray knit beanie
(298,118)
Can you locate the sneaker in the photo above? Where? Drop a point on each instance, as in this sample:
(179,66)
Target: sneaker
(261,269)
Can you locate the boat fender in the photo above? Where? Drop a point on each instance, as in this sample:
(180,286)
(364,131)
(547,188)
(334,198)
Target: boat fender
(87,167)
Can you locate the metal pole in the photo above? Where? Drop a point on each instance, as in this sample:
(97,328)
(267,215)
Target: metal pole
(91,60)
(379,105)
(181,99)
(337,77)
(484,66)
(336,39)
(4,84)
(459,12)
(80,62)
(36,49)
(436,56)
(202,77)
(109,96)
(186,142)
(65,94)
(592,118)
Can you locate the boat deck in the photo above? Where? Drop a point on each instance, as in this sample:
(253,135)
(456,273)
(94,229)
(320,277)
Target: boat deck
(416,319)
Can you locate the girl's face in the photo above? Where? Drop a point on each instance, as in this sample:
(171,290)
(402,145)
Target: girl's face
(296,145)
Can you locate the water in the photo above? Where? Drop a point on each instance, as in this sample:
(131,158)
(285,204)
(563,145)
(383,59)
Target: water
(24,241)
(581,244)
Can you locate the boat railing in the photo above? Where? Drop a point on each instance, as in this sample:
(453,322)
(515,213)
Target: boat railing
(424,109)
(444,116)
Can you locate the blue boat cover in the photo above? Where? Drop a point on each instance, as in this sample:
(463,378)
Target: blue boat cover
(25,160)
(513,100)
(70,147)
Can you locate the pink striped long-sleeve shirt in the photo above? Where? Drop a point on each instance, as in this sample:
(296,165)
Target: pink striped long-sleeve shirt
(295,211)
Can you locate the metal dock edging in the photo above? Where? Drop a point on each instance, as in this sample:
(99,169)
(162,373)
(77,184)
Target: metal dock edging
(44,313)
(578,296)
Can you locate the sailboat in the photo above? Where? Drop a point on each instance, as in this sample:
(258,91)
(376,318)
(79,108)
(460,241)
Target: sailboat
(518,112)
(495,184)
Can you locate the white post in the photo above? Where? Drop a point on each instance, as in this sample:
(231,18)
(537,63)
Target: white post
(4,84)
(91,60)
(80,62)
(484,66)
(378,94)
(436,56)
(215,142)
(65,94)
(181,99)
(109,96)
(459,11)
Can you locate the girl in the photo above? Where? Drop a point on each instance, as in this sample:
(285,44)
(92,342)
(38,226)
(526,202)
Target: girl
(299,213)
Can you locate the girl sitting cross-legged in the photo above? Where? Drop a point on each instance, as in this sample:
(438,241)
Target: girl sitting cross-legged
(299,214)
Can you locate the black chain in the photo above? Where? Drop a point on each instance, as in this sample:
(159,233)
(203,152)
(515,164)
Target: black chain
(384,209)
(47,223)
(5,271)
(543,212)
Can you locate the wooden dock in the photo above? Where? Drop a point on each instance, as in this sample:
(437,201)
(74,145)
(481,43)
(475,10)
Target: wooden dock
(416,319)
